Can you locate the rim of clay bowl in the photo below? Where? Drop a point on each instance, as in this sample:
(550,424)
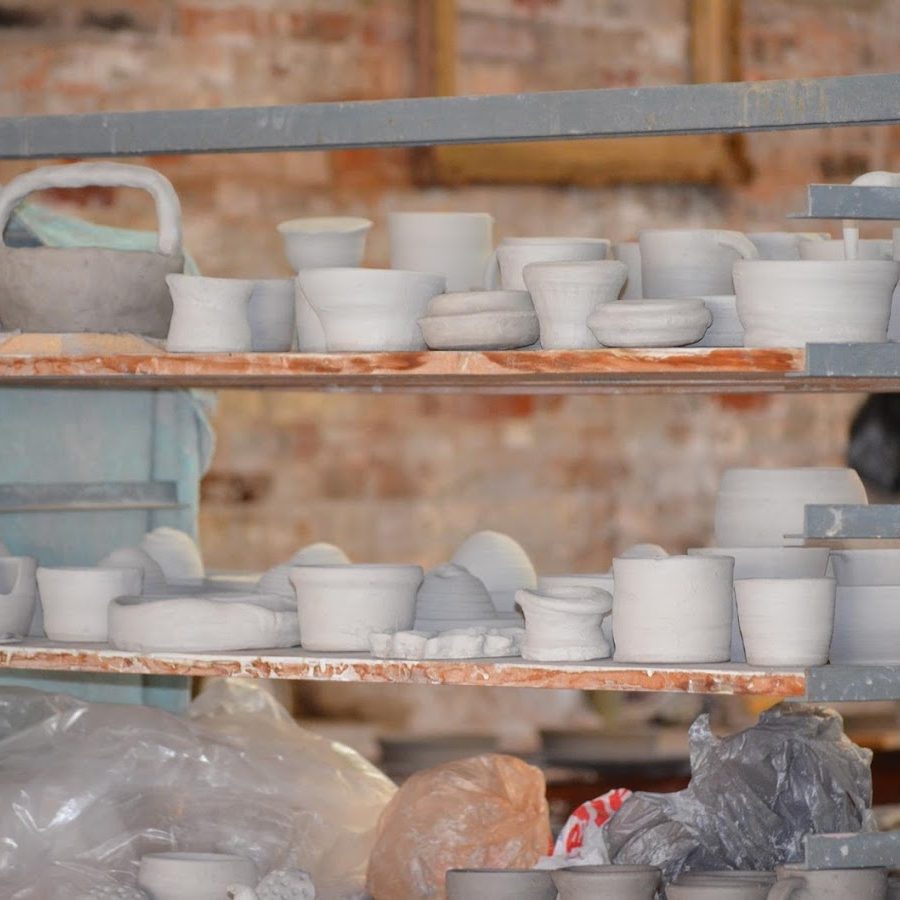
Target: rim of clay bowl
(324,225)
(799,580)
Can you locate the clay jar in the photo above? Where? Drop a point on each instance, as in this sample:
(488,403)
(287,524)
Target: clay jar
(456,245)
(795,883)
(629,252)
(340,606)
(566,293)
(673,610)
(790,303)
(193,876)
(500,884)
(564,623)
(325,241)
(783,244)
(210,315)
(506,264)
(76,601)
(786,621)
(607,882)
(765,507)
(365,310)
(18,595)
(691,262)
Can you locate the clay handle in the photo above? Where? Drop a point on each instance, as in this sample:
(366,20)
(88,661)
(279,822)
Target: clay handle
(491,277)
(785,888)
(738,242)
(105,174)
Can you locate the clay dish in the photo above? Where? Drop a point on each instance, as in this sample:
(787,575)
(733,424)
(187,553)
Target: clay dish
(194,876)
(500,884)
(370,310)
(650,323)
(326,241)
(480,320)
(790,303)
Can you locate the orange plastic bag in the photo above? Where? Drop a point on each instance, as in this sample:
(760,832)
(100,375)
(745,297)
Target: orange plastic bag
(485,812)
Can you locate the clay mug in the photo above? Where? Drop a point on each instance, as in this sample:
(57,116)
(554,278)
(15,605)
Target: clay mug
(210,315)
(324,241)
(565,623)
(18,595)
(691,262)
(613,882)
(453,244)
(505,265)
(795,883)
(500,884)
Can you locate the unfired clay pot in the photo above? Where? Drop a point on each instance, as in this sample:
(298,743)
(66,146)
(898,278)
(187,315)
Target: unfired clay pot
(866,626)
(564,623)
(565,294)
(277,579)
(480,320)
(629,252)
(500,884)
(325,241)
(506,264)
(619,882)
(210,315)
(370,310)
(786,621)
(501,563)
(18,595)
(453,244)
(193,876)
(650,323)
(796,883)
(71,289)
(691,262)
(76,600)
(602,580)
(340,606)
(673,610)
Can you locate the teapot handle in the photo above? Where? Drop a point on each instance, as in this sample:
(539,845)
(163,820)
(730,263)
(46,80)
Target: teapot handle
(105,174)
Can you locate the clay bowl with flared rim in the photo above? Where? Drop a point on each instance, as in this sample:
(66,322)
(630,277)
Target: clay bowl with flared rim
(569,599)
(194,876)
(370,310)
(876,566)
(341,605)
(459,303)
(790,303)
(316,225)
(500,884)
(866,626)
(622,882)
(650,323)
(772,562)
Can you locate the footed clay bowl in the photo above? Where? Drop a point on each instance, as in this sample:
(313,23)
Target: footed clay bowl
(507,263)
(315,243)
(500,884)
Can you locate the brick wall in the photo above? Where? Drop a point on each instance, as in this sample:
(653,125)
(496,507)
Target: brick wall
(405,478)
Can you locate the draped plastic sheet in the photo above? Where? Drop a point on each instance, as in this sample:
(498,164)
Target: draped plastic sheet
(86,790)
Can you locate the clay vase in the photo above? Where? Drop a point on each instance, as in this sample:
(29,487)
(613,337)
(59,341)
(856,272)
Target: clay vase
(76,601)
(673,610)
(607,882)
(566,293)
(193,876)
(629,252)
(270,313)
(691,262)
(340,606)
(500,884)
(506,264)
(786,621)
(565,623)
(210,315)
(456,245)
(783,244)
(18,595)
(795,883)
(325,241)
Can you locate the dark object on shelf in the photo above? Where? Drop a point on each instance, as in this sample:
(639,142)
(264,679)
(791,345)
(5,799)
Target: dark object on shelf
(874,449)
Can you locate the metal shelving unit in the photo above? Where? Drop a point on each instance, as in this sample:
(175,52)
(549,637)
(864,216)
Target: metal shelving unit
(687,109)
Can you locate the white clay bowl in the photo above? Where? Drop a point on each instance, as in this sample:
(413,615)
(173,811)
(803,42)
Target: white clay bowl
(18,595)
(602,580)
(76,600)
(786,621)
(867,626)
(615,881)
(501,563)
(325,241)
(790,303)
(650,323)
(765,507)
(340,606)
(677,609)
(370,310)
(866,567)
(564,623)
(726,329)
(194,876)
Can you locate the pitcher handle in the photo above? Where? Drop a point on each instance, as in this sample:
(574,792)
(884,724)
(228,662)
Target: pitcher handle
(785,888)
(491,277)
(738,242)
(101,174)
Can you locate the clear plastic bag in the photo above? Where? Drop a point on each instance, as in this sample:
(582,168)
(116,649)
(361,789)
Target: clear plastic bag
(87,789)
(753,796)
(484,812)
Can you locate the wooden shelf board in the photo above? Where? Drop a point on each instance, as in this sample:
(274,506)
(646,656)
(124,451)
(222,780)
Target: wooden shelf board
(359,667)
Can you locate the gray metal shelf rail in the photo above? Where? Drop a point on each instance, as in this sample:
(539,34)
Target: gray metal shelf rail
(681,109)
